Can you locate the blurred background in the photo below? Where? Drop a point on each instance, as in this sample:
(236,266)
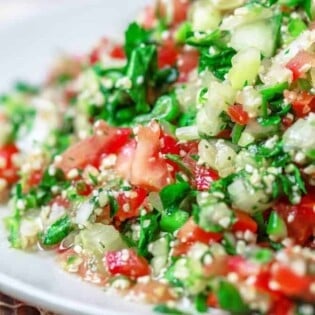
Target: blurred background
(13,10)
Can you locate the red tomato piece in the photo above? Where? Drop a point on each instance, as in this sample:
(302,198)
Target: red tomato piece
(187,61)
(8,170)
(212,300)
(190,232)
(303,104)
(175,10)
(244,222)
(118,52)
(148,18)
(203,177)
(125,158)
(242,267)
(149,169)
(89,151)
(301,63)
(34,178)
(129,203)
(127,263)
(282,306)
(169,145)
(167,54)
(238,114)
(300,219)
(289,282)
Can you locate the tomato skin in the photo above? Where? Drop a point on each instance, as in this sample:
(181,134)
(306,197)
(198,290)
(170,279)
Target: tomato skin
(190,232)
(8,170)
(127,263)
(133,203)
(298,62)
(302,226)
(238,114)
(89,151)
(302,103)
(244,222)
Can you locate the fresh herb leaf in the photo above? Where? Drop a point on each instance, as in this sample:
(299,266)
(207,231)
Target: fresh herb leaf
(57,231)
(113,205)
(135,35)
(230,299)
(148,229)
(173,194)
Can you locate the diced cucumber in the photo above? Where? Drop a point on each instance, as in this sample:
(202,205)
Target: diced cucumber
(159,249)
(298,138)
(99,238)
(190,273)
(262,35)
(244,196)
(204,16)
(245,68)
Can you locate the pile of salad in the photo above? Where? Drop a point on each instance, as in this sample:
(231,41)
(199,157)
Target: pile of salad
(177,167)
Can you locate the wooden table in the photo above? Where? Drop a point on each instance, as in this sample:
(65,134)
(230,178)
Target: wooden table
(10,306)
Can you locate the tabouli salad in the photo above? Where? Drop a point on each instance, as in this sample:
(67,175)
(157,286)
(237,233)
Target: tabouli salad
(177,167)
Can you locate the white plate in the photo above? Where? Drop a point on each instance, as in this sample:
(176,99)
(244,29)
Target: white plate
(27,47)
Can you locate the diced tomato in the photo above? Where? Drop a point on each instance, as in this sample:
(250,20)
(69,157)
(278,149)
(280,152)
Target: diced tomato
(289,282)
(302,103)
(127,263)
(34,178)
(105,46)
(176,10)
(225,134)
(8,170)
(125,159)
(83,189)
(282,306)
(300,219)
(149,169)
(60,201)
(212,300)
(241,266)
(238,114)
(301,63)
(169,145)
(181,249)
(89,151)
(287,121)
(187,61)
(129,203)
(244,222)
(190,232)
(118,52)
(203,177)
(167,54)
(148,18)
